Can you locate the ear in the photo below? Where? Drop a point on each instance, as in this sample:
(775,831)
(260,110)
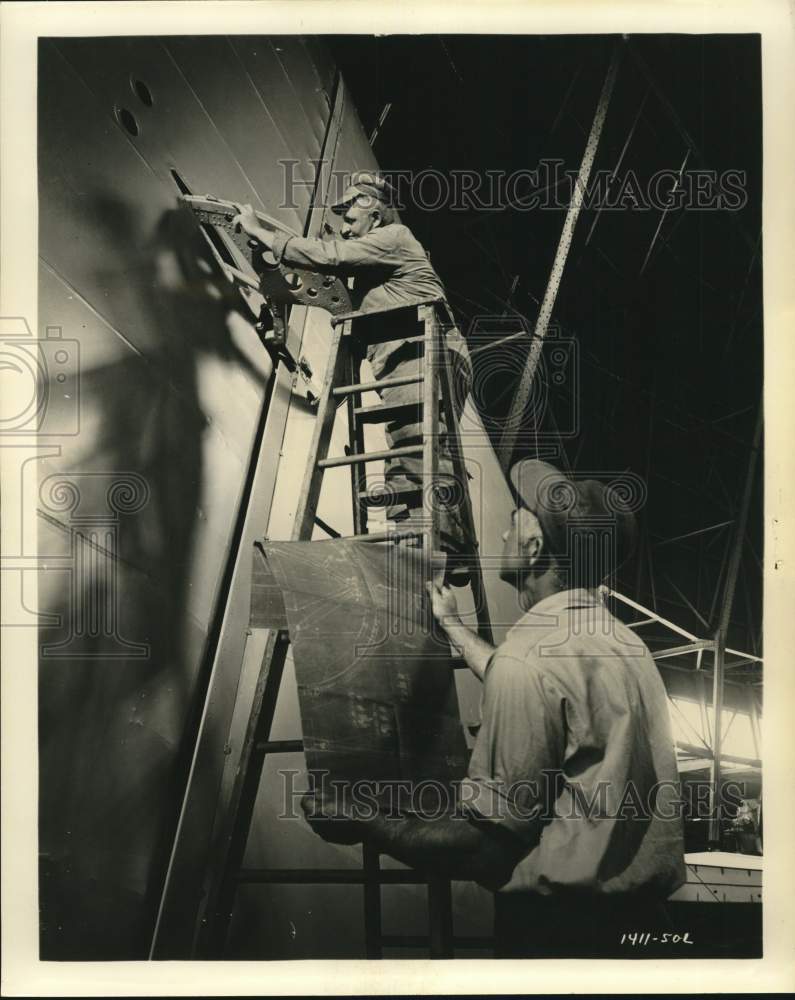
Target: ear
(533,547)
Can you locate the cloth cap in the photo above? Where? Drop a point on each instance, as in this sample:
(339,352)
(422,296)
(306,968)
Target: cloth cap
(364,183)
(586,521)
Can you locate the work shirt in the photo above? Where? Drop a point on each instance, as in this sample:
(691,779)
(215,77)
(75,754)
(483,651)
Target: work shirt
(391,270)
(575,755)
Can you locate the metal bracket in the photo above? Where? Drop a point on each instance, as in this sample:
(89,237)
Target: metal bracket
(276,281)
(272,329)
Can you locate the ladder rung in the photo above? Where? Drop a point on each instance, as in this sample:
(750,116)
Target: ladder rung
(280,746)
(384,383)
(386,536)
(369,313)
(395,496)
(370,456)
(383,414)
(328,876)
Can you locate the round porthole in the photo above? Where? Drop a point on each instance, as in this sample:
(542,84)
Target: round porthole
(142,92)
(127,120)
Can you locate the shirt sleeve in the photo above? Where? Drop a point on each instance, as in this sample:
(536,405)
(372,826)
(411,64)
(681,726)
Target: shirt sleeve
(376,249)
(519,749)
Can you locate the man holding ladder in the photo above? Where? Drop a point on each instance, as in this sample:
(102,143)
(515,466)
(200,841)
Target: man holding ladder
(571,808)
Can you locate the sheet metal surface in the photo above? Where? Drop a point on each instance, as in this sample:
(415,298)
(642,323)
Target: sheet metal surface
(375,682)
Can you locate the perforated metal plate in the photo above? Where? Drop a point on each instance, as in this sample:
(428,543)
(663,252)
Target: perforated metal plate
(278,282)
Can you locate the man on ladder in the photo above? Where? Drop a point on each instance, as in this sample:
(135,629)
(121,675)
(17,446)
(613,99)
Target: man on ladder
(390,270)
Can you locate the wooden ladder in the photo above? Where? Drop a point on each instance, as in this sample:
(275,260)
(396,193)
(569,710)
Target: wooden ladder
(342,385)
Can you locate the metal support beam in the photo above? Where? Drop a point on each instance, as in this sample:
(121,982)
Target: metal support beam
(721,633)
(689,603)
(677,182)
(652,616)
(690,647)
(692,534)
(524,389)
(620,160)
(679,125)
(693,750)
(379,124)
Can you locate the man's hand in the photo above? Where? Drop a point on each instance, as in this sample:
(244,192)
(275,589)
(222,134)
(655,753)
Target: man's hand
(330,820)
(476,651)
(443,602)
(247,220)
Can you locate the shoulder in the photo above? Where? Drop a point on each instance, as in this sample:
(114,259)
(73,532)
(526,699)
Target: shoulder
(577,661)
(516,674)
(397,234)
(382,239)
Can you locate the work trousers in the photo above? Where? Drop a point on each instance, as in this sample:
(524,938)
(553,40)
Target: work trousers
(406,471)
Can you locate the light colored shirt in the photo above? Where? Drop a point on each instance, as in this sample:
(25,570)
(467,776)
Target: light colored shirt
(391,270)
(575,755)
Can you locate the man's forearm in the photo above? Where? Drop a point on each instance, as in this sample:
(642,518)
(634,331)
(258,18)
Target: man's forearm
(476,651)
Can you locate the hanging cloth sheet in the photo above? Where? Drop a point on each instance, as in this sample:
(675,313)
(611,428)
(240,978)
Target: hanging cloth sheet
(375,683)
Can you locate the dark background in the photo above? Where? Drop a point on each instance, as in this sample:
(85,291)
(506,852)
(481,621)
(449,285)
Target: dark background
(669,357)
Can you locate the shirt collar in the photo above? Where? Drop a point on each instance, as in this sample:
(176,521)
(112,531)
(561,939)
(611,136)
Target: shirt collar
(563,600)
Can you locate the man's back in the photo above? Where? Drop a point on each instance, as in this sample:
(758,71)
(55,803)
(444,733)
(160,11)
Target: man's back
(575,694)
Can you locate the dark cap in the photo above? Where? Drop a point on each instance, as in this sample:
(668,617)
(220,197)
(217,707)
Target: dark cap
(367,184)
(582,519)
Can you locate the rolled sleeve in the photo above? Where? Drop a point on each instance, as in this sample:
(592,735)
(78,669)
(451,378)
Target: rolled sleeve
(278,245)
(518,752)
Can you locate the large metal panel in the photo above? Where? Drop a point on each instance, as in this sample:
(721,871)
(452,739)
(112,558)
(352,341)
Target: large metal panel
(172,381)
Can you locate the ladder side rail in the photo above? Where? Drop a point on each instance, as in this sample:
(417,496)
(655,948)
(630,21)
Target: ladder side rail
(213,930)
(321,437)
(459,467)
(440,913)
(430,438)
(214,927)
(356,445)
